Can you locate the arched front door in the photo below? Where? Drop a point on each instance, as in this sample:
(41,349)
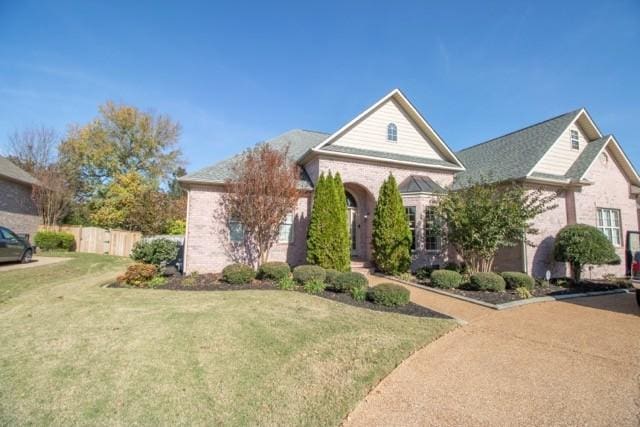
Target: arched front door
(352,218)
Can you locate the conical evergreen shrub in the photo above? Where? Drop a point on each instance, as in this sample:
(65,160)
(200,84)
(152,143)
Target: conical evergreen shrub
(319,225)
(391,234)
(340,233)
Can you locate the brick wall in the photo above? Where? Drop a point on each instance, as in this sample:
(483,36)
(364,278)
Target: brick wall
(17,210)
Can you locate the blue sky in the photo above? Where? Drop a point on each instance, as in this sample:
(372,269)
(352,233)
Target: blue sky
(236,73)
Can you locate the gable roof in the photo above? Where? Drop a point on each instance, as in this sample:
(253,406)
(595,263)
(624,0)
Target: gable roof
(420,184)
(586,158)
(14,173)
(452,162)
(513,155)
(299,142)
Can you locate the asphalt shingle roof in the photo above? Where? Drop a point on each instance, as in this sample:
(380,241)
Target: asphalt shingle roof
(13,172)
(513,155)
(389,156)
(420,184)
(299,142)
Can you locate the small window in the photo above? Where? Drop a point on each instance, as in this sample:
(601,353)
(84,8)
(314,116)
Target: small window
(432,240)
(286,230)
(411,218)
(392,132)
(609,223)
(575,139)
(236,231)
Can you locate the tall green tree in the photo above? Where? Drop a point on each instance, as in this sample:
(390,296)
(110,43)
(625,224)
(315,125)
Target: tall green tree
(318,236)
(391,234)
(341,253)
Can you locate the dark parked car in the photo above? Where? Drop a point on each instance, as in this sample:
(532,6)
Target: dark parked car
(14,247)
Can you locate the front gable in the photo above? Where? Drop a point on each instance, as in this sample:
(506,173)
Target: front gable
(562,154)
(371,133)
(414,140)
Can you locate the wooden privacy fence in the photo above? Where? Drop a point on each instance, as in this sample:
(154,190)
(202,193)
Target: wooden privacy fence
(99,240)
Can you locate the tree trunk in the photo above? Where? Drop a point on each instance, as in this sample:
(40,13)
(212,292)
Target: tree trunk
(576,269)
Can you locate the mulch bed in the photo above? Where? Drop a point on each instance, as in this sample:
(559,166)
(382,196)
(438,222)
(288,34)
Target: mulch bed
(212,282)
(553,290)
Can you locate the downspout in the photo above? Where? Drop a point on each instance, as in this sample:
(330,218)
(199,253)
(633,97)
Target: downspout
(525,261)
(186,234)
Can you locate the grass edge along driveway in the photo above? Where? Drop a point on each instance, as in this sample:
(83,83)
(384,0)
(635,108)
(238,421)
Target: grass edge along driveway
(77,353)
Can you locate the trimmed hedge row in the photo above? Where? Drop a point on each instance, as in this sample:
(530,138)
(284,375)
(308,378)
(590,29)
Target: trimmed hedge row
(515,280)
(54,240)
(238,274)
(446,279)
(491,282)
(274,270)
(389,294)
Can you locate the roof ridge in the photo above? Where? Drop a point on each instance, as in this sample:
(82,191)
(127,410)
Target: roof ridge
(521,129)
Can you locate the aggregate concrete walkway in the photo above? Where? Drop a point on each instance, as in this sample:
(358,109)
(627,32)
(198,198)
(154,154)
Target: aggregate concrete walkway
(36,262)
(575,362)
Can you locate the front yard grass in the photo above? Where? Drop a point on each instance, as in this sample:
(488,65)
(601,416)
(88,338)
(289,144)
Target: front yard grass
(76,353)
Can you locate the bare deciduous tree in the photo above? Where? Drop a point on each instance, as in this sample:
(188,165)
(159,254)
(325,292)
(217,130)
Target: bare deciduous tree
(262,191)
(34,150)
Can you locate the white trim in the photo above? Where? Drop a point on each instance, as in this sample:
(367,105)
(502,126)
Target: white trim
(576,118)
(381,159)
(547,180)
(406,104)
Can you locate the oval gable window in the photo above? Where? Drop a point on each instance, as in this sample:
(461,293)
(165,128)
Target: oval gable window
(392,132)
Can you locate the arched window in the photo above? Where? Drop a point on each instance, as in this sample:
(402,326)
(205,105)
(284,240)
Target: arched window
(351,202)
(392,132)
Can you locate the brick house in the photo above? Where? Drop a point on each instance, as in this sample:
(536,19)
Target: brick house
(17,210)
(594,180)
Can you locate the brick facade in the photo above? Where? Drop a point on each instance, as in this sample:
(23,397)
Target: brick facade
(17,210)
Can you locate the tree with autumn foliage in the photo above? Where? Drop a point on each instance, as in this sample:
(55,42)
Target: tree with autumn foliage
(262,190)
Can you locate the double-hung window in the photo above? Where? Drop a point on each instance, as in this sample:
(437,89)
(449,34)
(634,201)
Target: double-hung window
(411,218)
(608,222)
(236,231)
(432,239)
(575,139)
(286,230)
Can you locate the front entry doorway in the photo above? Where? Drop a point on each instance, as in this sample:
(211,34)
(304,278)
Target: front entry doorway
(352,219)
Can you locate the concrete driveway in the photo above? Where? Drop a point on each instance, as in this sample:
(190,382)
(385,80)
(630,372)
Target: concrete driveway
(36,262)
(575,362)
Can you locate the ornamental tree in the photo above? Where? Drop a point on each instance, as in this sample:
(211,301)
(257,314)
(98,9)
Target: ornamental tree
(581,244)
(262,190)
(482,217)
(391,236)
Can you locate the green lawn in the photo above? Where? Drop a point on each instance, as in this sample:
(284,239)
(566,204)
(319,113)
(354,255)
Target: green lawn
(76,353)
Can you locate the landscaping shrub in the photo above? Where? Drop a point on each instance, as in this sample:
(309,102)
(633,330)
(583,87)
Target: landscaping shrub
(286,284)
(389,294)
(523,292)
(424,273)
(330,276)
(54,240)
(446,279)
(157,281)
(274,270)
(238,274)
(580,244)
(491,282)
(516,280)
(306,273)
(314,286)
(347,281)
(359,293)
(176,227)
(139,275)
(156,251)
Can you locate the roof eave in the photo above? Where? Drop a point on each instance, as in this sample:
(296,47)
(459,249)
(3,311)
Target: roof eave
(380,159)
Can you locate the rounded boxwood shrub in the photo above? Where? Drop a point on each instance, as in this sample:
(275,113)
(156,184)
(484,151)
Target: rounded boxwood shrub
(344,282)
(389,294)
(306,273)
(330,276)
(274,270)
(491,282)
(515,280)
(54,241)
(446,279)
(156,251)
(238,274)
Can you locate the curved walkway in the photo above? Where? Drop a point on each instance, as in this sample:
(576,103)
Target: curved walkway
(575,362)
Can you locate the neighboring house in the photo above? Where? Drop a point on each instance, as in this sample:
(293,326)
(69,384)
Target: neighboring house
(594,180)
(17,210)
